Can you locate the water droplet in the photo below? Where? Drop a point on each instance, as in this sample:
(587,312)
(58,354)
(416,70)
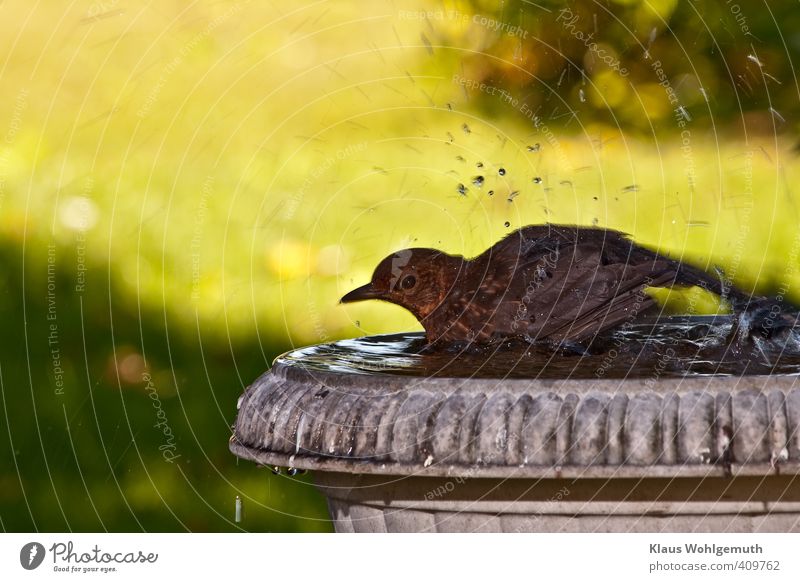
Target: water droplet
(537,180)
(684,113)
(535,147)
(460,159)
(777,115)
(426,42)
(507,224)
(276,470)
(704,94)
(466,129)
(502,171)
(513,195)
(477,181)
(631,188)
(582,95)
(238,510)
(450,137)
(462,189)
(479,165)
(491,192)
(650,40)
(754,59)
(291,471)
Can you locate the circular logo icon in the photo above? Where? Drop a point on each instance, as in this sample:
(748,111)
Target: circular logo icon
(31,555)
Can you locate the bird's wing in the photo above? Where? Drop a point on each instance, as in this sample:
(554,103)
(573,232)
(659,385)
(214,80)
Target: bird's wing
(578,295)
(617,247)
(564,282)
(624,305)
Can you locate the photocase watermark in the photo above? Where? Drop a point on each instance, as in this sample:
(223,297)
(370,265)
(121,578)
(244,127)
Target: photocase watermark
(540,274)
(31,555)
(177,61)
(443,490)
(98,8)
(168,448)
(555,498)
(743,230)
(67,558)
(613,352)
(294,201)
(319,327)
(776,309)
(661,365)
(399,260)
(569,21)
(450,485)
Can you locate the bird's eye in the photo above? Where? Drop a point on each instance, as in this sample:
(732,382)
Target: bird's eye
(408,282)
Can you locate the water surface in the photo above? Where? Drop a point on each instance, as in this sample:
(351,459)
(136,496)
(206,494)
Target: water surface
(652,348)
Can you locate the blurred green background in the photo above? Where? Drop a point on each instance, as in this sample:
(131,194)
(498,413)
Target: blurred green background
(186,189)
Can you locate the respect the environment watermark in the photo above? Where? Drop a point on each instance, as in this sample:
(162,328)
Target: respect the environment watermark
(507,98)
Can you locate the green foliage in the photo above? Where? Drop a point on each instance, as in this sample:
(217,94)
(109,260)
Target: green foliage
(620,62)
(119,421)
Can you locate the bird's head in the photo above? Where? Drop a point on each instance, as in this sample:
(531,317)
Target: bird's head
(417,279)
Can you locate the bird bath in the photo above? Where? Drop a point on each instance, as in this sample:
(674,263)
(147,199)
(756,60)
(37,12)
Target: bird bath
(662,429)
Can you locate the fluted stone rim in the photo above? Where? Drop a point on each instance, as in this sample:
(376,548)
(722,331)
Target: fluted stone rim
(399,425)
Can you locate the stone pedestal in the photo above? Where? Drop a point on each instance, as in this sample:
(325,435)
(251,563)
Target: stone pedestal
(395,453)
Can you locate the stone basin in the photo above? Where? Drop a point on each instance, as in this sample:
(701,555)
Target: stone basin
(396,451)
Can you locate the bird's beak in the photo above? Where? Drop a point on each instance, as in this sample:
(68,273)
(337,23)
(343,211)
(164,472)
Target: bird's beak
(364,292)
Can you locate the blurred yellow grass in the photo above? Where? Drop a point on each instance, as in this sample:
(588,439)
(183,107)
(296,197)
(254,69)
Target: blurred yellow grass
(246,167)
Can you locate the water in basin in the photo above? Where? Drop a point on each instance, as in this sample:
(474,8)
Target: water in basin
(665,347)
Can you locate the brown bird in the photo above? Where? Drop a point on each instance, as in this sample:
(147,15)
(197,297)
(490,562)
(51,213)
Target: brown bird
(550,283)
